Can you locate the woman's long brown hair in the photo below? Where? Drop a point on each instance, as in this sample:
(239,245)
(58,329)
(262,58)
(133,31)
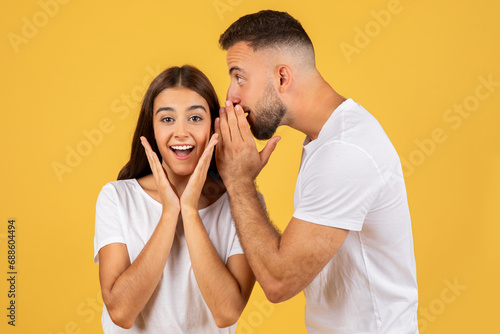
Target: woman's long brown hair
(186,76)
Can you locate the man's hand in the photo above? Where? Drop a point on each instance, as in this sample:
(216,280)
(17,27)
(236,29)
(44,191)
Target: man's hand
(237,156)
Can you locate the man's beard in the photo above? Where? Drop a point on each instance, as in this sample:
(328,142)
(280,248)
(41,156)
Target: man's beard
(270,110)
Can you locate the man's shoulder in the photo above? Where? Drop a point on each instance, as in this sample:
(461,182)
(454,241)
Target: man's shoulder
(353,138)
(358,121)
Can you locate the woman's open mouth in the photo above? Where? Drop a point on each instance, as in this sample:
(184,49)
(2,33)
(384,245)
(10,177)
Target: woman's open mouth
(182,151)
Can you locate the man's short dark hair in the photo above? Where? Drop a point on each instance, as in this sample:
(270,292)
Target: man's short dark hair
(267,28)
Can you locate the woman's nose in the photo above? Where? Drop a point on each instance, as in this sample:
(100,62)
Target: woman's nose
(180,130)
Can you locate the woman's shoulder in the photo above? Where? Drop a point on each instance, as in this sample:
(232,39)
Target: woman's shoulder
(125,192)
(120,183)
(120,187)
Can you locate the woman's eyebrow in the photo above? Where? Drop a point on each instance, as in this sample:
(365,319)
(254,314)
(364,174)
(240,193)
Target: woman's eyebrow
(196,106)
(164,108)
(193,107)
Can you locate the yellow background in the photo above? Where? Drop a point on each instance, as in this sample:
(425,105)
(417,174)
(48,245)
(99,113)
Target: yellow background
(79,64)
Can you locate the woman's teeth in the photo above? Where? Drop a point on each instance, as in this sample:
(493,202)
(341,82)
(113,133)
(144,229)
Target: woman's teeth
(182,147)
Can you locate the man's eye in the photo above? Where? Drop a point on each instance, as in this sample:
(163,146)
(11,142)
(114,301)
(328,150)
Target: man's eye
(195,118)
(239,79)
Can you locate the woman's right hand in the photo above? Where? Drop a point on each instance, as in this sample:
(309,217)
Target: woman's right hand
(169,198)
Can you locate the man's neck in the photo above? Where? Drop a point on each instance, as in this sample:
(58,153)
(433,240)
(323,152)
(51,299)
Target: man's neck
(313,106)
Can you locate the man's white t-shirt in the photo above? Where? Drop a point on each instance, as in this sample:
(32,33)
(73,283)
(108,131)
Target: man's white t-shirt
(126,214)
(351,178)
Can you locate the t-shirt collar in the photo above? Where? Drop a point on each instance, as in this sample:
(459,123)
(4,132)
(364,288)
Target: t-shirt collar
(309,144)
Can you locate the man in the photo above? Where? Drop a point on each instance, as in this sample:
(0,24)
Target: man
(349,243)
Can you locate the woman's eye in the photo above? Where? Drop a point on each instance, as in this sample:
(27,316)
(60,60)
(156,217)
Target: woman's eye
(239,79)
(167,119)
(195,118)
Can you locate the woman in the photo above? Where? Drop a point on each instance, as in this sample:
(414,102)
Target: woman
(169,258)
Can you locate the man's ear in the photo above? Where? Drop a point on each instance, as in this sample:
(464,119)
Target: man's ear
(285,78)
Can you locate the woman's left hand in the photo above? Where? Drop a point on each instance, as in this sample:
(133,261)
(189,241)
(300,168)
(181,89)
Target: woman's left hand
(191,195)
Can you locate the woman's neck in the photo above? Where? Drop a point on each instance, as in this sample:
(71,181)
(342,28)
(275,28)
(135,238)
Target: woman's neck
(178,182)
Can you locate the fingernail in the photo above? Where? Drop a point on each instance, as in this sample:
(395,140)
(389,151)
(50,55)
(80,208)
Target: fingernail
(228,103)
(238,107)
(222,110)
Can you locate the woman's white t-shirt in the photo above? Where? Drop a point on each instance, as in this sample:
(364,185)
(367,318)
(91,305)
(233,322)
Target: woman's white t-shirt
(126,214)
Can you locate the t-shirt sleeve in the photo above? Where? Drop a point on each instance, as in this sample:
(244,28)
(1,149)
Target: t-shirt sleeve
(234,242)
(108,228)
(338,186)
